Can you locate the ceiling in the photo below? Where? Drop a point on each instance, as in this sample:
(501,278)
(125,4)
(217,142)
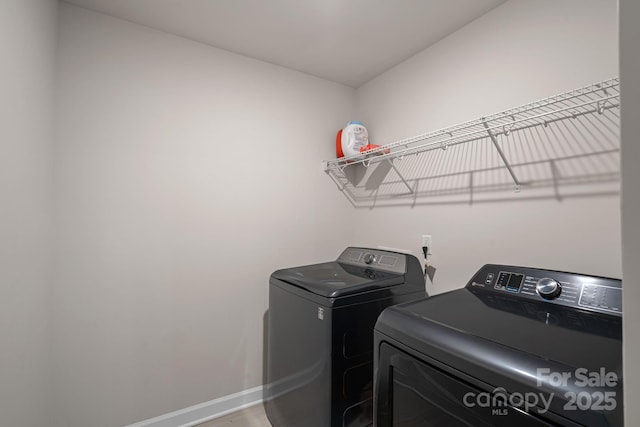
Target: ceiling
(345,41)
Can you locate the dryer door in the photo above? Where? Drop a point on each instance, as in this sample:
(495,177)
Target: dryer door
(412,393)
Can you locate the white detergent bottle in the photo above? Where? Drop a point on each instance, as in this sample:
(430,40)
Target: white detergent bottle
(354,137)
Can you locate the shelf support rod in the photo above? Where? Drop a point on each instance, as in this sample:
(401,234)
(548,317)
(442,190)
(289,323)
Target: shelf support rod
(502,156)
(400,175)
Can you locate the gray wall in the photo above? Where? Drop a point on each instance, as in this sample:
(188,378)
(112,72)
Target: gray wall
(27,45)
(184,176)
(520,52)
(630,78)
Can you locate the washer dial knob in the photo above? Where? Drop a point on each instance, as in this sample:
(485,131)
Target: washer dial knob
(548,288)
(369,258)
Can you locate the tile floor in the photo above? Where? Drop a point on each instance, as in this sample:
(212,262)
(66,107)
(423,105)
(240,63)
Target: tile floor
(253,416)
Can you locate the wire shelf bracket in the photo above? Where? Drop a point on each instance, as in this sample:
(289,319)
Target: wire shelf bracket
(501,153)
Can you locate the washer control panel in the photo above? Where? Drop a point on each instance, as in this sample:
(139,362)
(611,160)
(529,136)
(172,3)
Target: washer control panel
(555,287)
(393,262)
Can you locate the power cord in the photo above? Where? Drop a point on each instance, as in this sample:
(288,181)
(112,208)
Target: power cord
(425,251)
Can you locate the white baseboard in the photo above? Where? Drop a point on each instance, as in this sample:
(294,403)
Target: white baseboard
(206,411)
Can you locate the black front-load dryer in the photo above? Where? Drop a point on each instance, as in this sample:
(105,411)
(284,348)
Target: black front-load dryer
(515,347)
(320,335)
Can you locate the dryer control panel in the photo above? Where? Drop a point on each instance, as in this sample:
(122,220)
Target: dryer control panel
(377,259)
(591,293)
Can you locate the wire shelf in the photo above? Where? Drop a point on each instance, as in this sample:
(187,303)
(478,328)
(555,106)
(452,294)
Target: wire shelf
(567,138)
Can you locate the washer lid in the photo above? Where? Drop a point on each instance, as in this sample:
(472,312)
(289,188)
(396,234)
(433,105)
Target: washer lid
(565,335)
(334,279)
